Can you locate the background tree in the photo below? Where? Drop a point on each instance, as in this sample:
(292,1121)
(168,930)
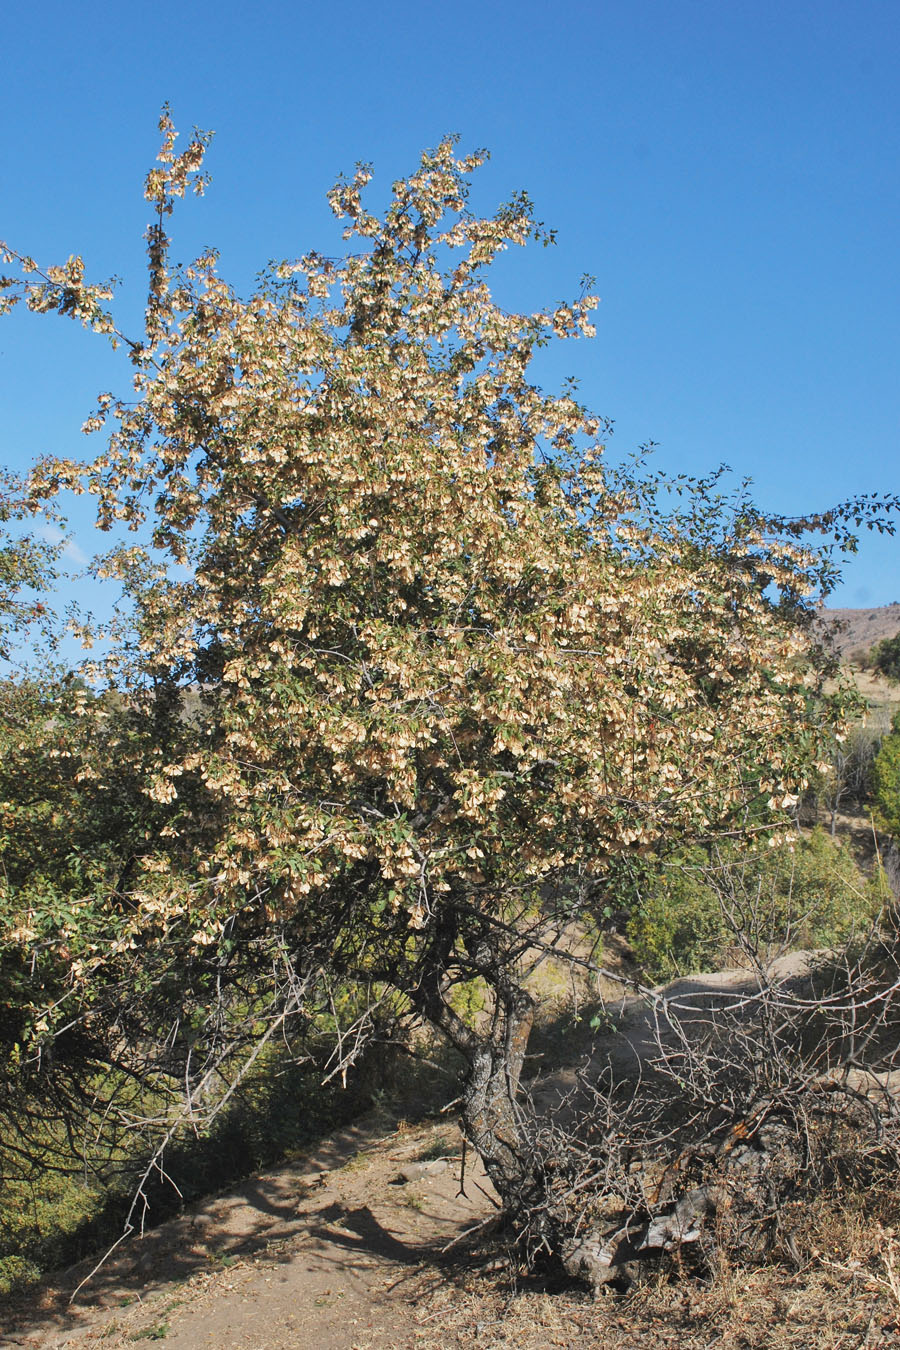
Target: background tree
(847,775)
(886,657)
(709,909)
(447,668)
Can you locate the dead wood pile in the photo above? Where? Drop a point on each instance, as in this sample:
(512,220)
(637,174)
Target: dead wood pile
(715,1114)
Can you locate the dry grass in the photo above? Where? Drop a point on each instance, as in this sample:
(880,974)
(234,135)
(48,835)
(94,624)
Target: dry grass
(841,1289)
(882,696)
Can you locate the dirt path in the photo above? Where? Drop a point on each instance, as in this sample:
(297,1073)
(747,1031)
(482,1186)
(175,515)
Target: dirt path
(331,1252)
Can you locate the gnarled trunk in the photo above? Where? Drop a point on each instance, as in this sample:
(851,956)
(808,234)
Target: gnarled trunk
(492,1117)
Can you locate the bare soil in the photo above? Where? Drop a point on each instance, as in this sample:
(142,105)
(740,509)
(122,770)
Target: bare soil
(335,1249)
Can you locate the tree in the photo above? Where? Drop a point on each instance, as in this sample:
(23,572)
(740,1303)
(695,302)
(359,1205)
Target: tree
(886,657)
(448,670)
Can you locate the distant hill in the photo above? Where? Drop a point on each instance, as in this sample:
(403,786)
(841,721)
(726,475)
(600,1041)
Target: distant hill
(856,630)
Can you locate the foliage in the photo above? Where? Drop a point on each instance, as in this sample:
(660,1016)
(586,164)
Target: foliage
(448,668)
(677,925)
(73,826)
(886,780)
(703,911)
(27,568)
(885,657)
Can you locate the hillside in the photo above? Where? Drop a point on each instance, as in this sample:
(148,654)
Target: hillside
(856,630)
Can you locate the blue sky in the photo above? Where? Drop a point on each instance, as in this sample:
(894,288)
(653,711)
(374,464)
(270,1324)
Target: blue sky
(727,170)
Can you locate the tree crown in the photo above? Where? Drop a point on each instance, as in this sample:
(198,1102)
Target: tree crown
(444,658)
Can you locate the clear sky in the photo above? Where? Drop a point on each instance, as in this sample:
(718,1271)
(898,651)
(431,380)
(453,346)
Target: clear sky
(727,169)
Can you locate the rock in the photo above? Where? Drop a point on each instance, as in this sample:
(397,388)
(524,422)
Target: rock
(417,1171)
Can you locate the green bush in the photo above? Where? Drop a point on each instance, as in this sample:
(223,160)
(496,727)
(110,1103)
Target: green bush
(886,657)
(886,780)
(705,909)
(677,925)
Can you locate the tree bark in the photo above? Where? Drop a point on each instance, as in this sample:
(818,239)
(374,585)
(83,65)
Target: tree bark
(492,1117)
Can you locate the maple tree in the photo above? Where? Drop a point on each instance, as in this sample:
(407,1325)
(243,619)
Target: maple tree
(27,570)
(434,670)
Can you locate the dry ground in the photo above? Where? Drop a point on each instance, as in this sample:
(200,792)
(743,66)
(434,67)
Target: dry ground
(326,1255)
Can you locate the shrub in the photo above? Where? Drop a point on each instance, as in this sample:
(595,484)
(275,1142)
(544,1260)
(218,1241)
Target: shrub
(886,780)
(808,893)
(886,657)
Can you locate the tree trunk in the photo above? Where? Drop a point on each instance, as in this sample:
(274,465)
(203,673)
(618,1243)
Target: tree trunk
(492,1117)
